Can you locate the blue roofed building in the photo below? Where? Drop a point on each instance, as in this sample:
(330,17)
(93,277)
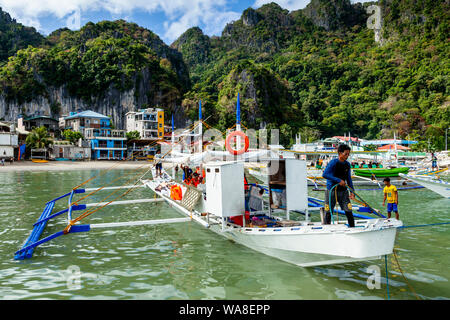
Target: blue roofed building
(106,143)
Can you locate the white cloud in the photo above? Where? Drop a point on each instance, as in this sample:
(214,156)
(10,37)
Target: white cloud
(181,14)
(293,4)
(212,16)
(208,14)
(285,4)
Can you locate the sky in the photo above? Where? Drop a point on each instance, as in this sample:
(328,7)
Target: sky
(167,18)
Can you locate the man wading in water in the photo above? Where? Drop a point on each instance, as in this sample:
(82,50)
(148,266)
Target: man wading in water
(338,172)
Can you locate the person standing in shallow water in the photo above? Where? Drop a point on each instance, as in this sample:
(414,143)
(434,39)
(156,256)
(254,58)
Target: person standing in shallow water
(338,172)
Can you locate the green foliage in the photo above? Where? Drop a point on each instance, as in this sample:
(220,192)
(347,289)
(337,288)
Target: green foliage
(99,57)
(133,135)
(14,36)
(194,46)
(72,136)
(308,135)
(317,69)
(334,81)
(38,138)
(370,147)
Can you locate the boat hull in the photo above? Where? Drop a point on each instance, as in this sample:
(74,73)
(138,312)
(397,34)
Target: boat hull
(307,250)
(440,187)
(308,245)
(381,173)
(39,161)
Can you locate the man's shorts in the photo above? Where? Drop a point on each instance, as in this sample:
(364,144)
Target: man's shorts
(392,207)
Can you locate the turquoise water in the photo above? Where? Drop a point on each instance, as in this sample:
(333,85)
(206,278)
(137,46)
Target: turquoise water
(186,261)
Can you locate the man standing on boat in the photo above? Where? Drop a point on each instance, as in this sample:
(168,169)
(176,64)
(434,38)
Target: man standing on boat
(434,165)
(391,195)
(338,175)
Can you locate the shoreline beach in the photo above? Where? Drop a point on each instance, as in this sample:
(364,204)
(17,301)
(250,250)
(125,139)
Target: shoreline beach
(72,165)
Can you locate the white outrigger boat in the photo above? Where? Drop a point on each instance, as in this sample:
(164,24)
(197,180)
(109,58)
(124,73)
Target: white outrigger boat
(221,201)
(304,243)
(434,184)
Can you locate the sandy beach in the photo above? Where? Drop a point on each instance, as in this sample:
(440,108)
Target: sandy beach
(72,165)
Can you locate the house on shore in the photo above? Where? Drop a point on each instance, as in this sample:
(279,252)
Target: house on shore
(36,121)
(9,141)
(106,143)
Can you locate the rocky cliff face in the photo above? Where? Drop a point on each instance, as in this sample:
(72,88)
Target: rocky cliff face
(263,30)
(109,67)
(114,103)
(194,46)
(263,95)
(334,14)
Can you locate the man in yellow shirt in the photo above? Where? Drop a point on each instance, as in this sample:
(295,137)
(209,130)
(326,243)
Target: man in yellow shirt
(391,195)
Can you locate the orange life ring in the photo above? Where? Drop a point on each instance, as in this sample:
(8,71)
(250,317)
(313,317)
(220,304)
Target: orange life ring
(233,135)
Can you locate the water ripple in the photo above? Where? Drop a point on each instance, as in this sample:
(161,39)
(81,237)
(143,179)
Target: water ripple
(185,261)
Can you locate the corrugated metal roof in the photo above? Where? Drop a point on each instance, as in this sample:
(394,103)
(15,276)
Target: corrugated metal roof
(86,114)
(40,117)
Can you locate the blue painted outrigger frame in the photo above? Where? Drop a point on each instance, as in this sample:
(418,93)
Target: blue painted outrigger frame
(33,241)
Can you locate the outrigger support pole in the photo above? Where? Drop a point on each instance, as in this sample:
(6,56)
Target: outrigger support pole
(33,240)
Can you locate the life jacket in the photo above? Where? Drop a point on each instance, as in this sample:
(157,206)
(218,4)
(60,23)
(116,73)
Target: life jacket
(176,192)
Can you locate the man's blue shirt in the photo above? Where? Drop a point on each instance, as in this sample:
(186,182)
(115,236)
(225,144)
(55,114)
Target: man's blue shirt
(329,174)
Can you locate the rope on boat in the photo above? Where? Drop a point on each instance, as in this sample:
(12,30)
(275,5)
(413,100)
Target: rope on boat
(103,187)
(119,163)
(365,203)
(424,225)
(361,201)
(399,188)
(98,206)
(113,166)
(401,271)
(96,190)
(134,186)
(101,174)
(398,263)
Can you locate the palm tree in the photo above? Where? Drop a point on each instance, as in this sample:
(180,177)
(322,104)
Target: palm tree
(38,138)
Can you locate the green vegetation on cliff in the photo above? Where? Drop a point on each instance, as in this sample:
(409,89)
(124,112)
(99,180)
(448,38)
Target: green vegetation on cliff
(89,62)
(335,77)
(317,70)
(14,36)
